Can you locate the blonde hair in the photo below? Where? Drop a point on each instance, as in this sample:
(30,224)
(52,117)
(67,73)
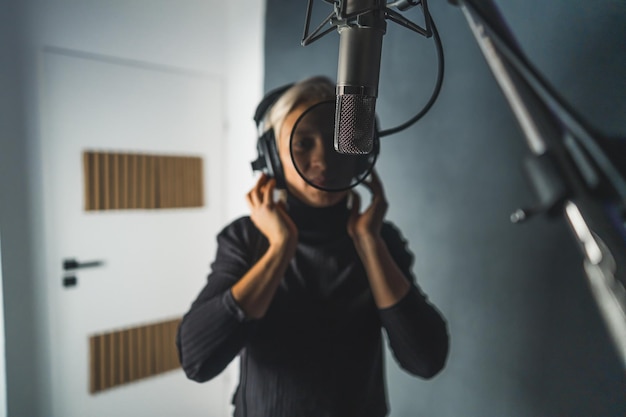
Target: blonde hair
(310,90)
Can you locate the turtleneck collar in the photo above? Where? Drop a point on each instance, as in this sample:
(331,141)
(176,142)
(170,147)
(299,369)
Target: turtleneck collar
(318,221)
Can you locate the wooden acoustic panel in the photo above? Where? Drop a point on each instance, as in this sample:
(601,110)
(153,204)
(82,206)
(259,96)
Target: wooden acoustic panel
(122,181)
(128,355)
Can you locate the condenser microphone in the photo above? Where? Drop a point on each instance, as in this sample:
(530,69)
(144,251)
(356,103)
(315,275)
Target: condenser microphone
(360,45)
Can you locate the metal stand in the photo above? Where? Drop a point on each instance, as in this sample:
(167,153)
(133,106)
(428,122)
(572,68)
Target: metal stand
(570,173)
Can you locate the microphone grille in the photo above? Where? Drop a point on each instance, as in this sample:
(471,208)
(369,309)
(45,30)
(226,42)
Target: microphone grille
(354,123)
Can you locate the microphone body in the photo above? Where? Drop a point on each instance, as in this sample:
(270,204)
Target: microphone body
(360,47)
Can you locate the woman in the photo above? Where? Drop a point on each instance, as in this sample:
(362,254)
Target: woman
(301,288)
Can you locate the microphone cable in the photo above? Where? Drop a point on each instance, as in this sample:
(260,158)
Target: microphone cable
(435,94)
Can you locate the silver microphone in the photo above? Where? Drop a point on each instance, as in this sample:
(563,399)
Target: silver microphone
(360,46)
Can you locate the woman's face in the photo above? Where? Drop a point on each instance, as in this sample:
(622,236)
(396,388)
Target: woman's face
(312,144)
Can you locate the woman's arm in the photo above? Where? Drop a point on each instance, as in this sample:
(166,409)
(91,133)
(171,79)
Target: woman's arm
(240,289)
(388,283)
(255,291)
(215,328)
(417,332)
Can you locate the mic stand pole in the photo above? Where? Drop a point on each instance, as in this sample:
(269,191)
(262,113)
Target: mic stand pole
(567,169)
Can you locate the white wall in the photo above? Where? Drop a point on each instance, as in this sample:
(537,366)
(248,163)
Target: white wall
(209,36)
(244,60)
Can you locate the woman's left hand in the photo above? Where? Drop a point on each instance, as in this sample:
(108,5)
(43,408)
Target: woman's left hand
(366,226)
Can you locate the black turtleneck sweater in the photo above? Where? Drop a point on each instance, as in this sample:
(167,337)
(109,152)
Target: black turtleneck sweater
(318,350)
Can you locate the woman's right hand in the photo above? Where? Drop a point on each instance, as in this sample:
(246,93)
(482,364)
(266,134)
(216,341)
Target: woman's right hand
(271,217)
(255,290)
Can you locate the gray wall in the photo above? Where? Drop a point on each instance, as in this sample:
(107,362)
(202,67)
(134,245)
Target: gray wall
(20,307)
(527,339)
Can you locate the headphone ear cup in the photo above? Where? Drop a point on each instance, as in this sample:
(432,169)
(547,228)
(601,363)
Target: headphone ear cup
(268,160)
(274,157)
(262,163)
(268,153)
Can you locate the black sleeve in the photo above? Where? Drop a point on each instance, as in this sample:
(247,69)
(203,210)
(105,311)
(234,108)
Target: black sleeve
(417,332)
(215,329)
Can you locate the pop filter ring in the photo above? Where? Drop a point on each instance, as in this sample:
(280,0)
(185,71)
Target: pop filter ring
(372,156)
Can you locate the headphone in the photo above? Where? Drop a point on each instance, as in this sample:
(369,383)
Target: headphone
(268,159)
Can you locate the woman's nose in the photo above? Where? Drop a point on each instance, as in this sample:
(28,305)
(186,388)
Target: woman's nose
(318,156)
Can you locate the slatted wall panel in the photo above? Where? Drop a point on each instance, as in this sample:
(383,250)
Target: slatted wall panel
(120,181)
(124,356)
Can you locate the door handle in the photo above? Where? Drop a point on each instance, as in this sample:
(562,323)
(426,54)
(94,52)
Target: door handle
(72,264)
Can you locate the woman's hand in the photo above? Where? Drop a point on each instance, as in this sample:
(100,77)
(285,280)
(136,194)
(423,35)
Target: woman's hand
(255,290)
(365,227)
(387,281)
(270,217)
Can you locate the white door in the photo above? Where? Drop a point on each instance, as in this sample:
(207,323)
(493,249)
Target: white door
(154,261)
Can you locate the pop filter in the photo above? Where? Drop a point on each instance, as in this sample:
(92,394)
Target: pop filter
(312,151)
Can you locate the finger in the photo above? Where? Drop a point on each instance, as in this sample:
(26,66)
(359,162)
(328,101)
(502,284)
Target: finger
(379,201)
(253,196)
(249,199)
(356,204)
(256,192)
(263,178)
(268,192)
(376,192)
(375,184)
